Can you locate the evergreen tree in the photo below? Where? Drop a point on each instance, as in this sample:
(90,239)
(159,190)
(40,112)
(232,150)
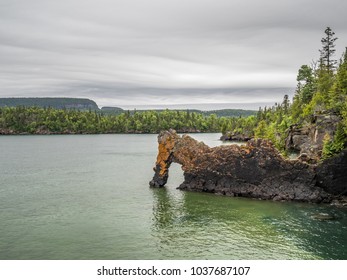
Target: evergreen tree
(306,82)
(285,106)
(328,50)
(338,98)
(325,76)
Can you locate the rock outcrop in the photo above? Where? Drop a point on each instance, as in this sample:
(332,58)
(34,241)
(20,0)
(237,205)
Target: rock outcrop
(332,174)
(307,140)
(254,170)
(230,136)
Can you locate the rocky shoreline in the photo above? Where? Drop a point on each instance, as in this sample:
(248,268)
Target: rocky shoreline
(255,170)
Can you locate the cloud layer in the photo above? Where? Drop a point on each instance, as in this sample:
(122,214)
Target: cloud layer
(138,52)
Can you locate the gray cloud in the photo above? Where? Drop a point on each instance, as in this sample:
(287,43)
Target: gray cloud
(154,51)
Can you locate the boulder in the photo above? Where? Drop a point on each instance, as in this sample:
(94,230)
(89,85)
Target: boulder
(230,136)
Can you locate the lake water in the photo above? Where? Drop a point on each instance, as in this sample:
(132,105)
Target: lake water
(87,197)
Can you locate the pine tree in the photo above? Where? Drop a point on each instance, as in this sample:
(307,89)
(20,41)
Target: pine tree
(306,83)
(328,50)
(325,74)
(339,90)
(285,104)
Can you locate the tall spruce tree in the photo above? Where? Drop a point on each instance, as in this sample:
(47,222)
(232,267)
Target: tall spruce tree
(328,50)
(325,73)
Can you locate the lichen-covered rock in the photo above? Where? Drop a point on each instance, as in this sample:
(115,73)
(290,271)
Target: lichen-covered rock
(167,141)
(254,170)
(308,138)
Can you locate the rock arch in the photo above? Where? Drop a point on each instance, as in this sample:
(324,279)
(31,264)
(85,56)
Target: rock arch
(254,170)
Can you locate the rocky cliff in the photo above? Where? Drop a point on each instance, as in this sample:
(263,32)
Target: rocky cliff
(254,170)
(307,139)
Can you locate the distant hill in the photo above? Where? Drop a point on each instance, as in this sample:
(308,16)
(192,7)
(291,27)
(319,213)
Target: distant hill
(87,104)
(231,112)
(219,113)
(112,110)
(54,102)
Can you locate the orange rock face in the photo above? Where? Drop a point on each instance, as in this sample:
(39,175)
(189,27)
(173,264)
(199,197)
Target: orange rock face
(173,148)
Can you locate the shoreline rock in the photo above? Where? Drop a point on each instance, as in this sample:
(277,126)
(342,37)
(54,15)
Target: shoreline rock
(239,137)
(255,170)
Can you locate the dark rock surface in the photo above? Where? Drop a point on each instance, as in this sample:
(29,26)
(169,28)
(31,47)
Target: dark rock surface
(332,174)
(235,137)
(255,170)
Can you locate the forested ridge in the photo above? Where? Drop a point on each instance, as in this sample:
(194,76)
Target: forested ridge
(48,120)
(77,116)
(54,102)
(83,104)
(35,120)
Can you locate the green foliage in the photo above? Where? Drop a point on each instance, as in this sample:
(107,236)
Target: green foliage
(335,145)
(316,86)
(261,129)
(338,93)
(218,113)
(48,120)
(306,83)
(328,149)
(229,113)
(304,94)
(112,110)
(328,50)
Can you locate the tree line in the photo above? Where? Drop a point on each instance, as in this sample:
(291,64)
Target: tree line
(36,120)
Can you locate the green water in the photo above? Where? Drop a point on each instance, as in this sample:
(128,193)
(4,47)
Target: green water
(87,197)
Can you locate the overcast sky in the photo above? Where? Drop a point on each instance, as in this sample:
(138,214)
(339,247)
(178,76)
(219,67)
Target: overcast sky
(162,52)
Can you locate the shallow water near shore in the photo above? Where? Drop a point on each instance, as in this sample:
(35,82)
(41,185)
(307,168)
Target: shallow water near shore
(87,197)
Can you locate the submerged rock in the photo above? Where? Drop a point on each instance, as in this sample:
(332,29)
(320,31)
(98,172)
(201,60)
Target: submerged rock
(324,217)
(254,170)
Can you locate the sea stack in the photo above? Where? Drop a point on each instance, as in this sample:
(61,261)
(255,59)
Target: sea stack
(255,170)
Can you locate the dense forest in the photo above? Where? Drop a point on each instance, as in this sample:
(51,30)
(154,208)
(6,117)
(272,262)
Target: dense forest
(48,120)
(65,116)
(321,89)
(35,120)
(218,113)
